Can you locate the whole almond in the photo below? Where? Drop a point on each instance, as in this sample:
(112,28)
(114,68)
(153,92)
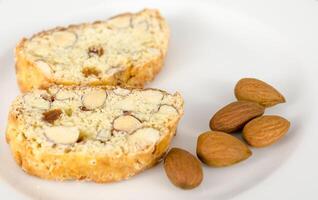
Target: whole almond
(220,149)
(265,130)
(235,115)
(183,169)
(251,89)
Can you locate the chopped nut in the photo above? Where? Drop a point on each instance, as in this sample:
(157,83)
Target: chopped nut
(167,109)
(94,99)
(95,50)
(121,91)
(89,71)
(152,96)
(64,38)
(52,115)
(126,123)
(44,67)
(144,138)
(62,134)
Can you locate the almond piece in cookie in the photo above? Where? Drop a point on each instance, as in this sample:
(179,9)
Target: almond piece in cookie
(167,109)
(64,38)
(44,67)
(126,123)
(62,134)
(94,99)
(144,137)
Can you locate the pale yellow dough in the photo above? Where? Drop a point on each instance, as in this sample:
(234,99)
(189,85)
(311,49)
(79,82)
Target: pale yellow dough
(102,134)
(128,49)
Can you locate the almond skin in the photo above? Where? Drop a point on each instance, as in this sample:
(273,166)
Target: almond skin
(251,89)
(265,130)
(219,149)
(183,169)
(51,115)
(235,115)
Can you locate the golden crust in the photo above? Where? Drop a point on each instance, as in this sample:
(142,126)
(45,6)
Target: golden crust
(75,166)
(30,77)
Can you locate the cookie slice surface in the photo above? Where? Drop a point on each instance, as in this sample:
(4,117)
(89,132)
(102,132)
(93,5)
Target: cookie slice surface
(102,134)
(128,49)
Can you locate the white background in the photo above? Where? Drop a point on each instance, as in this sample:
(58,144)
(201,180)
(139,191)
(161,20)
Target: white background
(297,20)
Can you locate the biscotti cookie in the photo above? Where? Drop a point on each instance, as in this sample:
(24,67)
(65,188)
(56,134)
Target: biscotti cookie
(99,133)
(128,49)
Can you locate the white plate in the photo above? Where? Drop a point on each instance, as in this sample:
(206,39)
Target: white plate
(210,49)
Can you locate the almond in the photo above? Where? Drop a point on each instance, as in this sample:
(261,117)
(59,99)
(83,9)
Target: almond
(126,123)
(94,99)
(152,96)
(183,169)
(167,109)
(220,149)
(144,138)
(235,115)
(251,89)
(266,130)
(44,67)
(64,38)
(62,134)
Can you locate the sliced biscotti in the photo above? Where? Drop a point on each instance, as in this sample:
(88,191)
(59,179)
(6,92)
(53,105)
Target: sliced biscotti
(100,133)
(128,49)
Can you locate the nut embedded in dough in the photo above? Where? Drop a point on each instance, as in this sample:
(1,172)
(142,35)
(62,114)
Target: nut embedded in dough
(144,137)
(94,99)
(44,67)
(62,134)
(167,109)
(127,123)
(64,38)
